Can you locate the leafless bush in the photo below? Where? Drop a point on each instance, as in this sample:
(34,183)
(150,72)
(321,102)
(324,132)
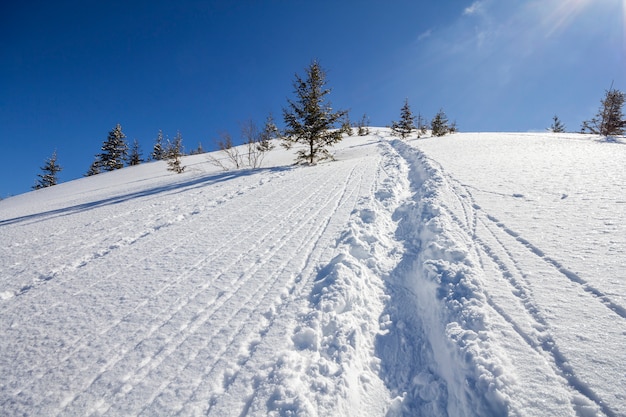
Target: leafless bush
(251,137)
(257,144)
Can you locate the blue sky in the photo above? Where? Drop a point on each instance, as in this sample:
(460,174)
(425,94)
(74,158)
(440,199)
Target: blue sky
(72,70)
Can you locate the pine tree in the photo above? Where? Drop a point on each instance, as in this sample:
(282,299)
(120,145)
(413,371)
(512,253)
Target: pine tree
(269,132)
(48,177)
(114,150)
(439,124)
(174,153)
(557,126)
(94,168)
(609,121)
(135,154)
(158,151)
(310,118)
(406,125)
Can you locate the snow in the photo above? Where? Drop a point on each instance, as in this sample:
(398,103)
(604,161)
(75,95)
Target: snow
(477,274)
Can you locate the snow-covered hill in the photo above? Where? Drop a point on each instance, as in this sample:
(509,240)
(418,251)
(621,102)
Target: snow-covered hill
(469,275)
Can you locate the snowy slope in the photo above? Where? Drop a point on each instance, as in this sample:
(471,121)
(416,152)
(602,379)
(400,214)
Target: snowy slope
(470,275)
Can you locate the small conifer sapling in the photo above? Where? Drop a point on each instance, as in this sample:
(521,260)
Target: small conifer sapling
(174,153)
(48,177)
(135,154)
(114,150)
(406,125)
(158,150)
(557,126)
(439,125)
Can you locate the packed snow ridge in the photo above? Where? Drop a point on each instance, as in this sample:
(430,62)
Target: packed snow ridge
(469,275)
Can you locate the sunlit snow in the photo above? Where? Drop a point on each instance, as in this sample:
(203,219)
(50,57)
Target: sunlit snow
(469,275)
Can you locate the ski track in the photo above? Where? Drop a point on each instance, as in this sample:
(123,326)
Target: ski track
(85,289)
(110,232)
(306,246)
(535,335)
(130,372)
(235,287)
(498,258)
(313,247)
(151,256)
(332,321)
(374,285)
(530,314)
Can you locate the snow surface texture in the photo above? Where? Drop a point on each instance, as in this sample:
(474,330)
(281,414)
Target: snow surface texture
(469,275)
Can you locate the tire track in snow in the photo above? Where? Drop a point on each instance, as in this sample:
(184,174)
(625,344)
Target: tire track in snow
(180,242)
(306,267)
(171,220)
(233,346)
(539,340)
(515,275)
(537,337)
(230,244)
(573,277)
(544,341)
(570,275)
(112,241)
(319,250)
(467,307)
(267,230)
(294,194)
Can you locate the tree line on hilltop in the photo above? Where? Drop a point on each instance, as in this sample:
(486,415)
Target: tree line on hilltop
(311,123)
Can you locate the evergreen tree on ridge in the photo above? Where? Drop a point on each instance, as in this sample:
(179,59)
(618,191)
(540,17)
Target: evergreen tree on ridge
(48,177)
(310,119)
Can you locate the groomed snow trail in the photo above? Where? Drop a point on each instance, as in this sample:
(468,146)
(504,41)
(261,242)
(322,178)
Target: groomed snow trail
(237,293)
(471,275)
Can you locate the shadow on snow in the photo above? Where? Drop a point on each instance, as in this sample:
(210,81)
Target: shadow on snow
(177,187)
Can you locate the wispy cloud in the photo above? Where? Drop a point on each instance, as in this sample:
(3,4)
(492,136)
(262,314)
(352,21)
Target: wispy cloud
(473,9)
(425,35)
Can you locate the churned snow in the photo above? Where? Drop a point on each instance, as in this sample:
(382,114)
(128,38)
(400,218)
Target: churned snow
(469,275)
